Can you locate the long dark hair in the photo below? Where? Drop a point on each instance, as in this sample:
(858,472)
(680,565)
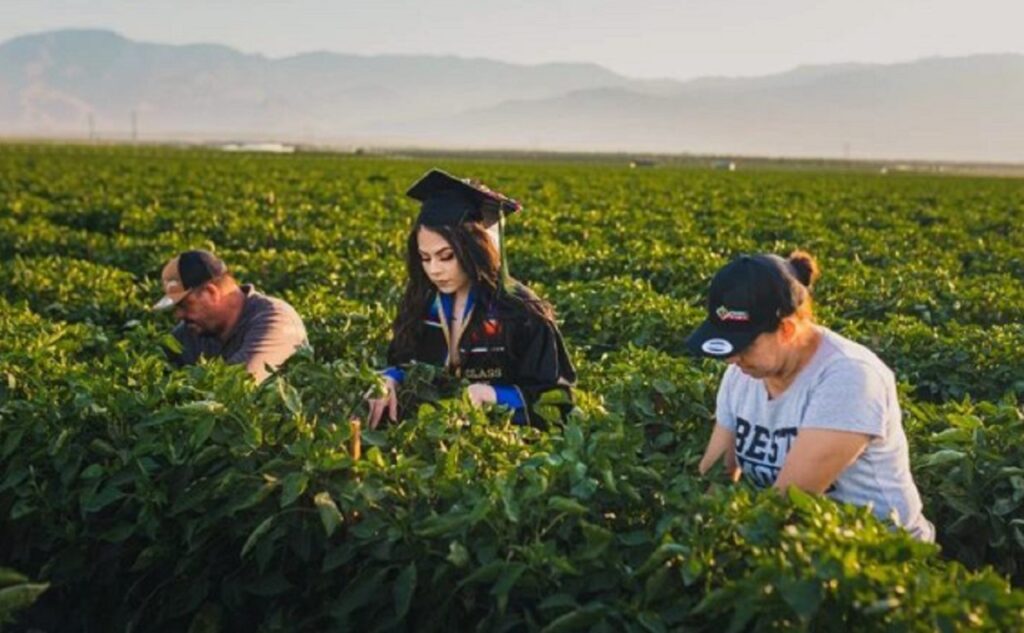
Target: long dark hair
(476,253)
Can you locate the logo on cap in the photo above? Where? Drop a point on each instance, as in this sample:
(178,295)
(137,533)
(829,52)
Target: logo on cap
(717,347)
(738,316)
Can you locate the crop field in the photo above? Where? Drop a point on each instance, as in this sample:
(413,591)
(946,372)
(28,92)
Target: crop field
(134,496)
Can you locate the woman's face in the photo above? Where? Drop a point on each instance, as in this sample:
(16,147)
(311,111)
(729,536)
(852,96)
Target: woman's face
(439,262)
(764,357)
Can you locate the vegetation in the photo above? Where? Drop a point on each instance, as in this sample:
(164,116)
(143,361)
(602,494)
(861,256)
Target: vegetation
(149,498)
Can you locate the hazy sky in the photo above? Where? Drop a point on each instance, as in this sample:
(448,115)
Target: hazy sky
(641,38)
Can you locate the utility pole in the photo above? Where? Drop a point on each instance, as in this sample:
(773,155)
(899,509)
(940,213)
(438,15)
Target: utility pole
(135,125)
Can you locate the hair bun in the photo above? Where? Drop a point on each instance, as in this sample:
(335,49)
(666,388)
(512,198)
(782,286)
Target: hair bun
(804,267)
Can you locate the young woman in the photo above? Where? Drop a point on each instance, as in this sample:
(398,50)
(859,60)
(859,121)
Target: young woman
(800,405)
(462,312)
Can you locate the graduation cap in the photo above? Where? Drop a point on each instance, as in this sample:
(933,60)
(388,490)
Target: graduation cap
(449,201)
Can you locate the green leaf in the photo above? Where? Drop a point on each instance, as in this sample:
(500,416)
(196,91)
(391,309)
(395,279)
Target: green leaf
(691,571)
(1017,525)
(441,524)
(374,438)
(405,586)
(92,471)
(559,601)
(11,444)
(256,534)
(202,408)
(9,576)
(508,578)
(717,601)
(573,436)
(551,415)
(268,585)
(62,439)
(941,458)
(293,485)
(118,533)
(337,556)
(108,495)
(554,397)
(1005,506)
(801,499)
(147,557)
(660,556)
(633,538)
(597,539)
(508,501)
(363,589)
(290,397)
(458,555)
(330,516)
(171,343)
(663,386)
(103,447)
(19,597)
(578,619)
(202,430)
(254,498)
(374,456)
(881,606)
(566,504)
(652,622)
(487,573)
(803,596)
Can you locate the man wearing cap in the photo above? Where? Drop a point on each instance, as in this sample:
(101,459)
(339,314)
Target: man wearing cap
(217,317)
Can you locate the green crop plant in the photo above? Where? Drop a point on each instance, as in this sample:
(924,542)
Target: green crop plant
(141,497)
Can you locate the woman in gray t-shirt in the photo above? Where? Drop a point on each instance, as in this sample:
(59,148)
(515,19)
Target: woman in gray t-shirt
(799,404)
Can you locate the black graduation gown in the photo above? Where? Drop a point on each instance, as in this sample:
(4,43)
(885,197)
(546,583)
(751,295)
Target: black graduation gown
(504,345)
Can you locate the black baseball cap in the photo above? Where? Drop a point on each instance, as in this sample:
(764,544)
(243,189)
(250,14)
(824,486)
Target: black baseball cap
(748,296)
(185,273)
(446,200)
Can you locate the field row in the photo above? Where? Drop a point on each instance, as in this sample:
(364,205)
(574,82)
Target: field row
(158,499)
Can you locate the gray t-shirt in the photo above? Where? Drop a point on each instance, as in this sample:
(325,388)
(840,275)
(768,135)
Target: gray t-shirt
(843,387)
(268,333)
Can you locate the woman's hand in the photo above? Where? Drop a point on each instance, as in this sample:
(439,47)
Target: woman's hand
(388,403)
(720,446)
(479,393)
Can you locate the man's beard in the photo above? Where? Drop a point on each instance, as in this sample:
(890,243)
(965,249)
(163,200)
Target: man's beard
(197,328)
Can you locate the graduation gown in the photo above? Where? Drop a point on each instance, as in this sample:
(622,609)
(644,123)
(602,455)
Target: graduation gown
(521,355)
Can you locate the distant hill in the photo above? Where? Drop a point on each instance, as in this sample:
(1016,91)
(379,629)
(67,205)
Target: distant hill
(53,80)
(969,108)
(954,109)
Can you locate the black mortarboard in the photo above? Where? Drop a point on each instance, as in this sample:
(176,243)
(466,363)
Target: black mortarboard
(446,201)
(449,201)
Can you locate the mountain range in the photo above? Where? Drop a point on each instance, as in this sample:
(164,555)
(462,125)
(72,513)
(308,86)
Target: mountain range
(79,83)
